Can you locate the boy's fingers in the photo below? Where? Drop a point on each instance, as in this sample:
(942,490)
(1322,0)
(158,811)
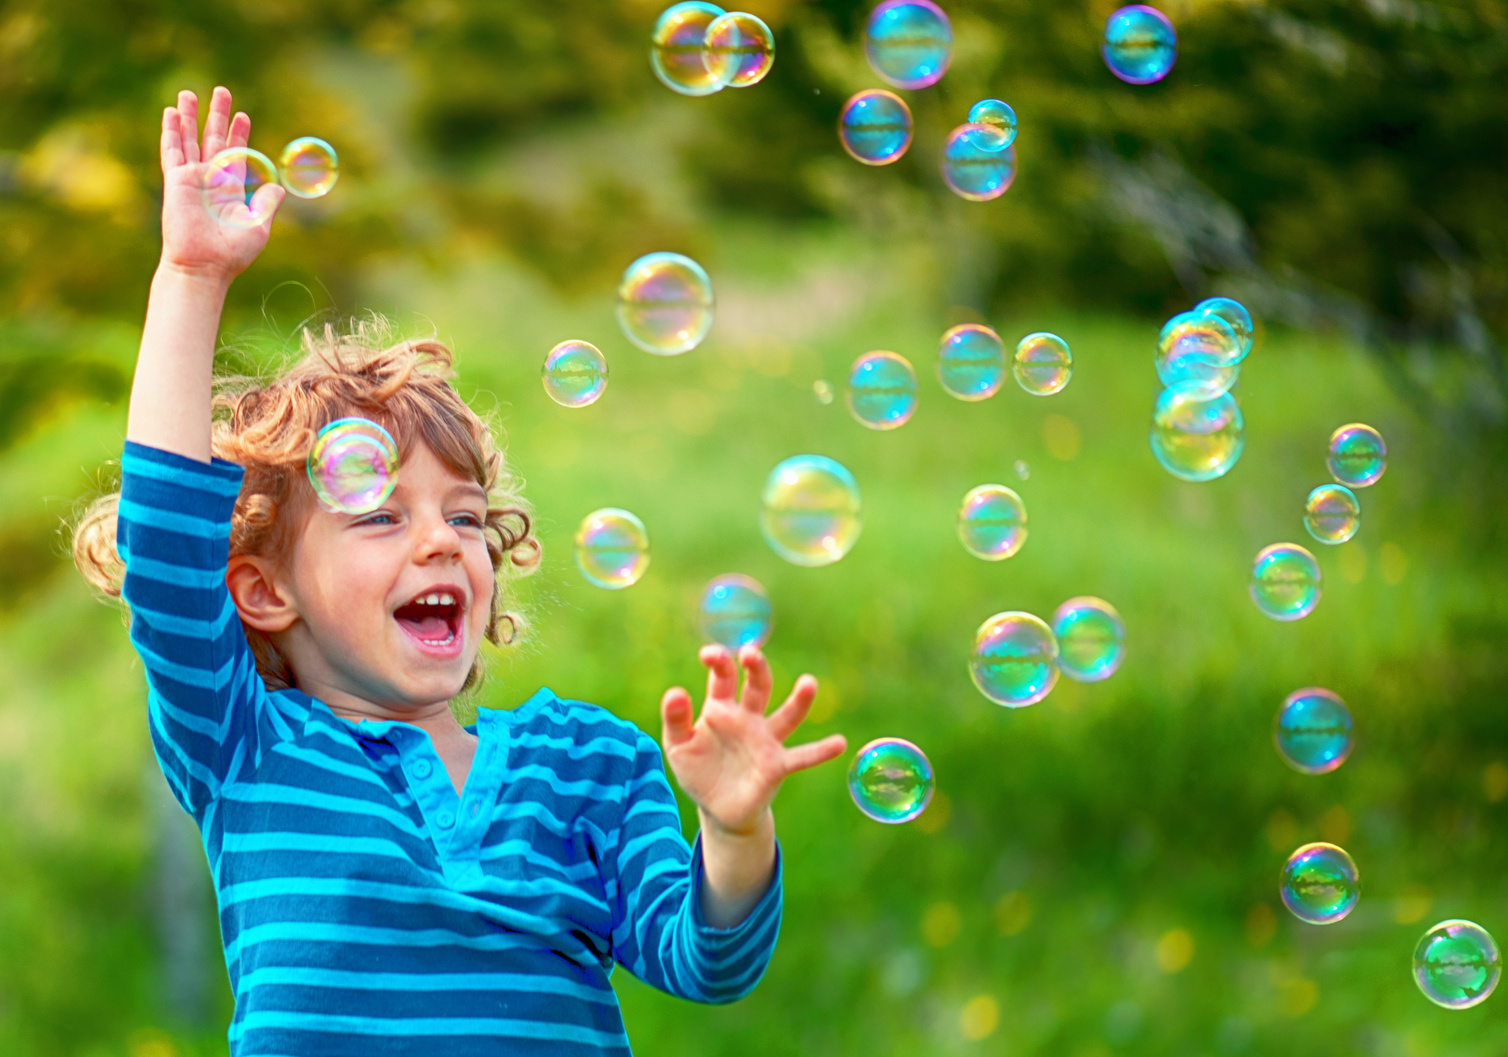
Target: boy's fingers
(172,142)
(265,202)
(675,717)
(792,712)
(814,752)
(217,122)
(722,673)
(240,130)
(757,680)
(188,125)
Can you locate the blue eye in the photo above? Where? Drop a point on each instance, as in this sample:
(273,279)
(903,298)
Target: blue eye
(379,519)
(466,521)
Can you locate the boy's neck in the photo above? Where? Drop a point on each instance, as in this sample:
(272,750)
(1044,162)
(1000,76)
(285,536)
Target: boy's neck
(453,743)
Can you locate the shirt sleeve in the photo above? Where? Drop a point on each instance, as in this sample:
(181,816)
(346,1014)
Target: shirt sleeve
(659,933)
(203,690)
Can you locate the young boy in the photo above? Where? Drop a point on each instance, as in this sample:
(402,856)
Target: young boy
(389,881)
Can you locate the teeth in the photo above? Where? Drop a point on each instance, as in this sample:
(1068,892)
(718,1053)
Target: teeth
(441,598)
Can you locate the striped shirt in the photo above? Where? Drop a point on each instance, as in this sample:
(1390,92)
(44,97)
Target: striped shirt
(366,909)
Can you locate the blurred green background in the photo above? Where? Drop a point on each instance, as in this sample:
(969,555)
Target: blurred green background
(1097,874)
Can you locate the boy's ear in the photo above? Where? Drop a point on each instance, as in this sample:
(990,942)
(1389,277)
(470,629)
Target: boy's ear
(254,590)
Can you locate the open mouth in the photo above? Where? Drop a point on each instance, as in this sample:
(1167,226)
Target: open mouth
(433,619)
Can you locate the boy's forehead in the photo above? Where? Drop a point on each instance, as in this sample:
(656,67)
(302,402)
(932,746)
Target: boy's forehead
(420,469)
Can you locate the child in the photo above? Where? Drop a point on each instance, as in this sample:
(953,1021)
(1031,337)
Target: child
(389,881)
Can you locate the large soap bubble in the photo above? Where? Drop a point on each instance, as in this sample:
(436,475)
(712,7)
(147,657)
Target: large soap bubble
(229,185)
(735,611)
(574,373)
(977,164)
(665,303)
(612,548)
(1015,659)
(1457,964)
(875,126)
(1199,354)
(1313,730)
(353,466)
(909,43)
(971,362)
(1042,364)
(739,49)
(810,512)
(1091,639)
(1332,513)
(1357,457)
(1196,439)
(1235,316)
(1319,884)
(676,48)
(1140,45)
(309,167)
(997,113)
(992,522)
(1285,581)
(890,780)
(881,390)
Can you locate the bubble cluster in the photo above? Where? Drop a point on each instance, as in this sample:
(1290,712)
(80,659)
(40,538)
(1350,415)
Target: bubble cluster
(881,390)
(1140,45)
(1319,884)
(992,522)
(309,167)
(612,548)
(971,362)
(1457,964)
(574,373)
(1199,354)
(977,164)
(735,611)
(1042,364)
(1091,639)
(353,466)
(738,49)
(909,43)
(1196,439)
(1357,456)
(810,512)
(1015,659)
(997,114)
(891,780)
(1332,513)
(1234,314)
(665,303)
(676,48)
(229,185)
(875,126)
(1313,731)
(1285,581)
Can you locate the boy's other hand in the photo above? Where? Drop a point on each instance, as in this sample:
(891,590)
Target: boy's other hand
(732,759)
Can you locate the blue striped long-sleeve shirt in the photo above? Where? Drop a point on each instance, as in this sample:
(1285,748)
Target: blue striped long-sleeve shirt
(365,907)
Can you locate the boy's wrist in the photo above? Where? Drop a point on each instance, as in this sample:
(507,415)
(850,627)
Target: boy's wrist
(759,827)
(212,279)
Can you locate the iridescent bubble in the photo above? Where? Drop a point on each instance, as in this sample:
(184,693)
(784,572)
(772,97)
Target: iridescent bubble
(890,780)
(739,49)
(309,167)
(909,43)
(665,303)
(1091,639)
(1457,964)
(1235,316)
(353,466)
(1285,581)
(881,390)
(1194,439)
(875,126)
(735,611)
(1042,364)
(574,373)
(823,391)
(1140,45)
(229,185)
(977,164)
(1015,659)
(996,113)
(1313,731)
(1332,513)
(1357,455)
(1319,884)
(810,512)
(612,548)
(1023,471)
(676,48)
(971,362)
(992,522)
(1198,354)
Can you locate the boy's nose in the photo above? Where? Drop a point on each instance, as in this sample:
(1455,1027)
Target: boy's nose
(439,539)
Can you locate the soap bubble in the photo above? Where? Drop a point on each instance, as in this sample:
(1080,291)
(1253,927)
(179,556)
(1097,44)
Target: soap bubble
(676,48)
(735,611)
(992,522)
(1313,731)
(1015,660)
(1285,581)
(823,391)
(231,180)
(1319,884)
(909,43)
(575,374)
(1457,964)
(875,126)
(996,113)
(739,49)
(665,303)
(1194,439)
(1140,45)
(1198,353)
(1357,455)
(1235,316)
(612,548)
(810,510)
(890,780)
(977,164)
(971,362)
(309,167)
(1042,364)
(881,390)
(1332,513)
(1091,639)
(1023,471)
(353,466)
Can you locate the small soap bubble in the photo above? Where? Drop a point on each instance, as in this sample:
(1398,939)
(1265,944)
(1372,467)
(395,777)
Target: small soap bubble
(891,780)
(1319,884)
(875,126)
(977,164)
(230,182)
(971,362)
(881,390)
(574,373)
(1091,639)
(1457,964)
(612,548)
(1357,455)
(1194,439)
(676,48)
(1042,364)
(992,522)
(353,466)
(735,611)
(1313,731)
(1140,45)
(1285,581)
(1235,316)
(810,512)
(1199,354)
(1015,659)
(823,390)
(996,113)
(1332,513)
(1023,471)
(309,167)
(909,43)
(739,49)
(665,303)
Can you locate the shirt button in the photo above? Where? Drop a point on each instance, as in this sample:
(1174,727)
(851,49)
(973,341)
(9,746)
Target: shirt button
(421,768)
(445,820)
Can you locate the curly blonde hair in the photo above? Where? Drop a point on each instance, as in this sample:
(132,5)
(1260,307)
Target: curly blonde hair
(268,428)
